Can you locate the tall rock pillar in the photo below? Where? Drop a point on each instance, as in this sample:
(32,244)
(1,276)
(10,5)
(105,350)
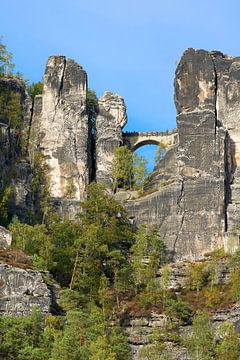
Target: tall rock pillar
(60,130)
(110,120)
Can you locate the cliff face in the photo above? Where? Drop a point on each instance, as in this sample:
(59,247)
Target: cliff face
(196,212)
(195,187)
(110,120)
(22,289)
(60,130)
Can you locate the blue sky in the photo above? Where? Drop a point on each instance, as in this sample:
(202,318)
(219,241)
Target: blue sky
(130,46)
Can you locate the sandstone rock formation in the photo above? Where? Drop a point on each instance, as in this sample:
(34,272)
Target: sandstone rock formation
(22,289)
(195,205)
(110,120)
(195,188)
(5,238)
(60,130)
(140,327)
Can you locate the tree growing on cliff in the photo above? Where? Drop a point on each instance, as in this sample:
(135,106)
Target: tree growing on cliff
(160,152)
(35,89)
(103,242)
(147,256)
(129,170)
(123,169)
(200,343)
(140,171)
(10,108)
(6,64)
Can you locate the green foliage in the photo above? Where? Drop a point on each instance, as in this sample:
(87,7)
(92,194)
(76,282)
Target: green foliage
(200,343)
(92,103)
(35,89)
(147,255)
(235,283)
(140,171)
(103,242)
(212,296)
(5,199)
(78,335)
(123,170)
(6,64)
(33,240)
(40,187)
(198,277)
(177,310)
(228,346)
(52,245)
(25,338)
(156,349)
(10,107)
(129,170)
(160,152)
(89,335)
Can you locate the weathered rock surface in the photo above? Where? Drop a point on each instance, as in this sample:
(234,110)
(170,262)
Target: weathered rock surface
(110,120)
(139,328)
(192,181)
(5,238)
(22,289)
(60,130)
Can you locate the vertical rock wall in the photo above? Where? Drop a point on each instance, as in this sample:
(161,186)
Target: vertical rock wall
(200,156)
(110,120)
(228,111)
(60,130)
(190,209)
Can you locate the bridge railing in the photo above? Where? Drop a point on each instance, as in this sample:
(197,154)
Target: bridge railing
(149,133)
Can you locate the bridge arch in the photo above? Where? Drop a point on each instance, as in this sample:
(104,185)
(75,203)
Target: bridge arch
(144,142)
(135,140)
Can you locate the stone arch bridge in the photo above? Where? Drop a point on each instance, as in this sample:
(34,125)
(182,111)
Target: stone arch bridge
(137,139)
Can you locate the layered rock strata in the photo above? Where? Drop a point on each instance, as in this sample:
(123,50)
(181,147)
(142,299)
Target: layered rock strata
(193,190)
(140,328)
(23,289)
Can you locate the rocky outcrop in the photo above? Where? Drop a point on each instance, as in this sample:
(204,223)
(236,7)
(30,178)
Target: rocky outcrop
(5,238)
(110,120)
(193,181)
(141,326)
(60,130)
(193,192)
(23,289)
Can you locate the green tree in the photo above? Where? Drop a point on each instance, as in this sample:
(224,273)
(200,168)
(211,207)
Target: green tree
(160,152)
(40,187)
(5,198)
(6,64)
(23,338)
(35,89)
(228,346)
(156,349)
(198,277)
(123,169)
(140,171)
(103,242)
(92,104)
(177,310)
(10,107)
(200,343)
(147,255)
